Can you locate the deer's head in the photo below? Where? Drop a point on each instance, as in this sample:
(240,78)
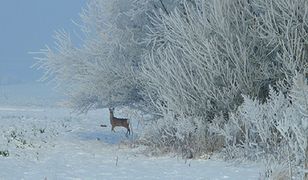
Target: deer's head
(111,110)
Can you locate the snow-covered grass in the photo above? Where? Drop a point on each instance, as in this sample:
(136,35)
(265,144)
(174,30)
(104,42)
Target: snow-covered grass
(53,143)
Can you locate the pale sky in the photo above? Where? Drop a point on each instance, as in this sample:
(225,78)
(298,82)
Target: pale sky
(27,26)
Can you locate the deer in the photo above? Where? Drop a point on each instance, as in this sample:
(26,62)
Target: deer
(114,121)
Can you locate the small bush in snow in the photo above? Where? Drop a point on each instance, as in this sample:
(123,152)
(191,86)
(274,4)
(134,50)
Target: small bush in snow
(4,153)
(275,171)
(277,128)
(187,136)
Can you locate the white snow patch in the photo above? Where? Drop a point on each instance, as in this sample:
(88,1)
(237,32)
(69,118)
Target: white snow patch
(20,109)
(53,143)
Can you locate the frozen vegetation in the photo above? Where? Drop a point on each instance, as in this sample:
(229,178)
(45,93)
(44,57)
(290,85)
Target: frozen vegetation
(222,77)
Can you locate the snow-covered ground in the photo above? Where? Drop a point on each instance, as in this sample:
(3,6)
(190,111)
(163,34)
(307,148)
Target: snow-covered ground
(53,143)
(42,141)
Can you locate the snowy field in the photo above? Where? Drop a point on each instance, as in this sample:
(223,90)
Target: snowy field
(41,141)
(52,143)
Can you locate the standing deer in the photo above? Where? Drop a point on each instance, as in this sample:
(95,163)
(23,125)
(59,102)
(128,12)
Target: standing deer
(118,121)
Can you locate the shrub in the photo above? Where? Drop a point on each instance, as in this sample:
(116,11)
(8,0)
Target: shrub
(277,128)
(206,54)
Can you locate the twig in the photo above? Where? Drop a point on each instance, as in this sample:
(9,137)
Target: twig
(164,7)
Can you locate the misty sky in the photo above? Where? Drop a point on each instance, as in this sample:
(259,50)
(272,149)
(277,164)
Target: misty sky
(27,26)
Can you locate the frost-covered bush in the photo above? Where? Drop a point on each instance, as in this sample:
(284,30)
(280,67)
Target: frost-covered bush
(185,71)
(199,65)
(274,170)
(205,54)
(188,136)
(277,128)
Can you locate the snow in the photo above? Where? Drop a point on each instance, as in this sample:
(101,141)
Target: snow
(45,141)
(54,143)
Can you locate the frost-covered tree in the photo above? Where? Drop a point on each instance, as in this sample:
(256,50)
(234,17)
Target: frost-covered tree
(103,70)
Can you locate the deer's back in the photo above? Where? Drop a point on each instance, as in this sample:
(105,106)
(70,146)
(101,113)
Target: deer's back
(119,121)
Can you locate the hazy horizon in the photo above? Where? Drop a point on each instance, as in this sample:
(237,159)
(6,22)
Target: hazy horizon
(27,26)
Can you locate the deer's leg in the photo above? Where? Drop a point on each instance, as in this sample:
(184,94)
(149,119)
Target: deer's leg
(112,129)
(128,130)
